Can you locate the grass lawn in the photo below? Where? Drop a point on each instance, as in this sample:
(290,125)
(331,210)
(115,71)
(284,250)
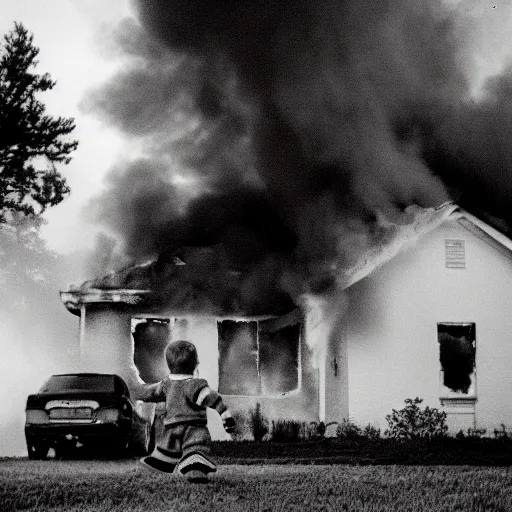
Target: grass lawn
(72,486)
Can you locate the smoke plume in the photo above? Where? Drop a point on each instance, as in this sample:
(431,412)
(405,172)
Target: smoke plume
(283,131)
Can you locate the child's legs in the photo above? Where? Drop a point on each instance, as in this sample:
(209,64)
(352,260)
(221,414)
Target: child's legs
(196,450)
(167,454)
(196,439)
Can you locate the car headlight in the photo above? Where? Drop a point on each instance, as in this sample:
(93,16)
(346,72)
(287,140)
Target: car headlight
(107,415)
(36,416)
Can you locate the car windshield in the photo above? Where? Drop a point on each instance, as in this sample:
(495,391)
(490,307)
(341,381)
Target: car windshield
(79,383)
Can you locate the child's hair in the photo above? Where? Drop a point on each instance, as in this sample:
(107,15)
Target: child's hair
(181,357)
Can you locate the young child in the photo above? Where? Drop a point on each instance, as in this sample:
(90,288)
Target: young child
(184,447)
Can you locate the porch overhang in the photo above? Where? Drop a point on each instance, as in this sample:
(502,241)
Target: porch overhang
(74,300)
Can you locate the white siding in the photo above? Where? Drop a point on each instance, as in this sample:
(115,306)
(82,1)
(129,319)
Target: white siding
(108,347)
(393,352)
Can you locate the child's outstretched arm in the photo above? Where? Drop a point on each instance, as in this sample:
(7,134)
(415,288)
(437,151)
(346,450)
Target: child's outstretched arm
(208,397)
(145,392)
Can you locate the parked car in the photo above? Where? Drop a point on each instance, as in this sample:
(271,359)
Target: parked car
(89,409)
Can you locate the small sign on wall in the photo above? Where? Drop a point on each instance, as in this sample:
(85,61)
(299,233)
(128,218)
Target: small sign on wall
(455,252)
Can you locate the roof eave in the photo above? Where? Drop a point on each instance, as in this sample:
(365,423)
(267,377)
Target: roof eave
(375,261)
(485,232)
(75,299)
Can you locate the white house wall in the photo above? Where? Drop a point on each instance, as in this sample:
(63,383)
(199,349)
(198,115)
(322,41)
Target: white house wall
(336,379)
(106,341)
(391,327)
(107,346)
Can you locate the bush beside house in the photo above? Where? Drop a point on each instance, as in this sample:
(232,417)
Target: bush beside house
(416,436)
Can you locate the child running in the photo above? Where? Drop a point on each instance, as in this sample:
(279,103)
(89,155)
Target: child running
(185,445)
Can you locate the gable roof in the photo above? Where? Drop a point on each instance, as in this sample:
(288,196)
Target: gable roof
(406,236)
(401,238)
(484,231)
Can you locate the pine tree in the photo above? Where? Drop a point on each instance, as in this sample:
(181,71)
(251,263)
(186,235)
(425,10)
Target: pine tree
(32,143)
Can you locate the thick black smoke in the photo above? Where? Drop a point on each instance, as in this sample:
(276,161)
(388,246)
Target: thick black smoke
(284,129)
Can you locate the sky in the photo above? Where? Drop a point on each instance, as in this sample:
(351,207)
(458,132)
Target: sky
(69,35)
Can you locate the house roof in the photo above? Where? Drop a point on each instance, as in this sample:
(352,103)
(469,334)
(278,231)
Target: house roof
(204,283)
(400,237)
(74,299)
(405,236)
(484,231)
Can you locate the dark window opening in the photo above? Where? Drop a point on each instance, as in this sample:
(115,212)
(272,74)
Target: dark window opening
(258,358)
(457,355)
(279,360)
(150,337)
(238,358)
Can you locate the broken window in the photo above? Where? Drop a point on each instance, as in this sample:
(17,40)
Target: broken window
(238,358)
(457,356)
(259,357)
(150,337)
(279,358)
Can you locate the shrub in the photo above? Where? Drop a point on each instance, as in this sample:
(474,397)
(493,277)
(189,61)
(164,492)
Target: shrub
(240,426)
(460,435)
(473,433)
(477,433)
(371,432)
(258,423)
(412,422)
(348,430)
(318,429)
(288,431)
(502,433)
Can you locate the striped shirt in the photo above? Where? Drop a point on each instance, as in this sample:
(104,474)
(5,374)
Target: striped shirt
(186,399)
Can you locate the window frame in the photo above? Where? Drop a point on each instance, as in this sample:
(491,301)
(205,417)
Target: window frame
(293,318)
(447,395)
(286,320)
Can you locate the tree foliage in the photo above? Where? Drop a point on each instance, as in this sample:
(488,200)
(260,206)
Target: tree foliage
(32,142)
(33,320)
(25,260)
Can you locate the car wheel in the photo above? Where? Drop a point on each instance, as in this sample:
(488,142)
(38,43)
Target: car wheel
(141,439)
(37,450)
(64,449)
(118,448)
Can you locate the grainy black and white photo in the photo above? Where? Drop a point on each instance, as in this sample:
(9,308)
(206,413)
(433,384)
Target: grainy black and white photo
(255,255)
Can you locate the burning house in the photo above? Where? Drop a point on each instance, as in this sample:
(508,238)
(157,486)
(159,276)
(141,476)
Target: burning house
(252,351)
(281,147)
(421,314)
